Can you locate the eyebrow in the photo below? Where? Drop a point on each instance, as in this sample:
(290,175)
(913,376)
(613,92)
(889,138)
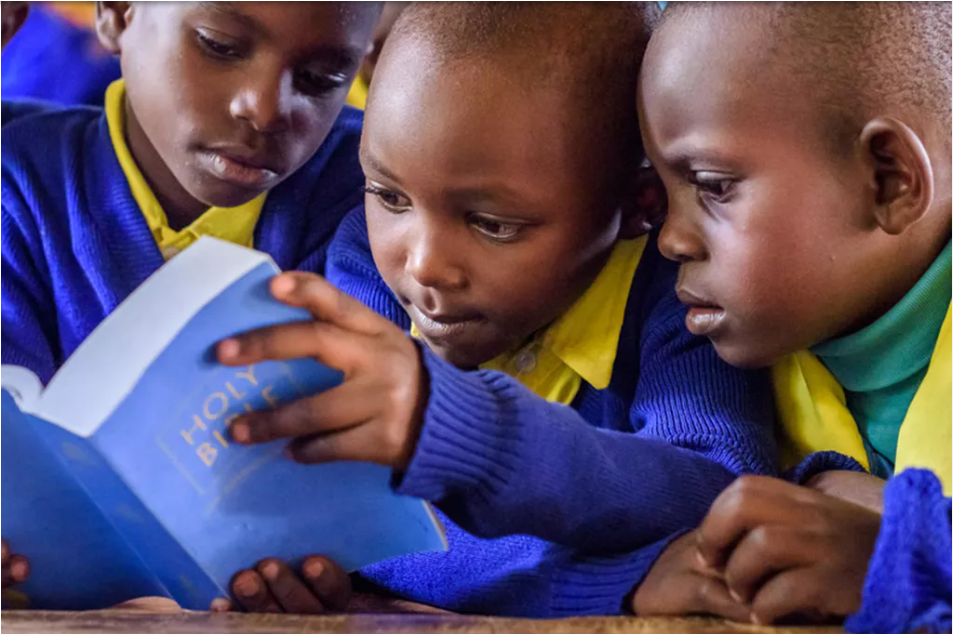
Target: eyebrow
(343,57)
(374,163)
(231,12)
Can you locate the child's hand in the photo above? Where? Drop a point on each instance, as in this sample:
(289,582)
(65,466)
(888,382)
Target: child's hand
(789,550)
(679,583)
(860,488)
(16,568)
(273,587)
(374,415)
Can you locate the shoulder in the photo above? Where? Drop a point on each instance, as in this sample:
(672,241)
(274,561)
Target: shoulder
(43,157)
(331,180)
(40,135)
(340,147)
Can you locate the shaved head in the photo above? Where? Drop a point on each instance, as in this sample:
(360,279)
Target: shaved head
(860,60)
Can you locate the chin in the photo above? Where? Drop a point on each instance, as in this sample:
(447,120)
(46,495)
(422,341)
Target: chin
(743,356)
(222,194)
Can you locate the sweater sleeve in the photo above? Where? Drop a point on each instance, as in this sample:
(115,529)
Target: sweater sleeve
(29,328)
(500,460)
(350,267)
(909,577)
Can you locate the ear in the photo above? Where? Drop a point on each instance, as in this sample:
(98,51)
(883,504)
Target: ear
(645,206)
(112,19)
(902,174)
(13,16)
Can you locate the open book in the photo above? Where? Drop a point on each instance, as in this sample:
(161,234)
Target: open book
(119,479)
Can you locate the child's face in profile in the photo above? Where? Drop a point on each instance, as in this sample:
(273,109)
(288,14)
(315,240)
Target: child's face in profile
(766,220)
(229,99)
(487,211)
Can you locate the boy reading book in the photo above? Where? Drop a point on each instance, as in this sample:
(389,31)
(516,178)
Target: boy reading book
(806,153)
(228,122)
(553,404)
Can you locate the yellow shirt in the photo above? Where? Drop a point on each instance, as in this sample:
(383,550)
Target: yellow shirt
(813,413)
(582,344)
(233,224)
(357,94)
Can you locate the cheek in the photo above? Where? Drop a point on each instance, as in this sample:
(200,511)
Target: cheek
(385,237)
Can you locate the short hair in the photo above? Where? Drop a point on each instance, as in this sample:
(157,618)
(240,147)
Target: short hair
(860,59)
(593,51)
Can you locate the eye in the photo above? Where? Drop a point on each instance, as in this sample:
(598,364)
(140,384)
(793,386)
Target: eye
(494,229)
(317,84)
(216,47)
(716,186)
(389,199)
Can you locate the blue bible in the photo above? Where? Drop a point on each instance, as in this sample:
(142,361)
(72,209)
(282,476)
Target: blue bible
(119,479)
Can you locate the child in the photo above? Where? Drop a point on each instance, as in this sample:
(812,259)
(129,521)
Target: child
(226,123)
(807,162)
(500,146)
(56,56)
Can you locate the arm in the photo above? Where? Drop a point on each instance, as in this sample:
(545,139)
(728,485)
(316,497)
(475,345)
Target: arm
(908,580)
(28,312)
(501,460)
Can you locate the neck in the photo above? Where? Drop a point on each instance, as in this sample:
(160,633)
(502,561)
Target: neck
(180,208)
(912,260)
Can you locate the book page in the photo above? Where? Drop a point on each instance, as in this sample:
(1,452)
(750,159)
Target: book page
(109,363)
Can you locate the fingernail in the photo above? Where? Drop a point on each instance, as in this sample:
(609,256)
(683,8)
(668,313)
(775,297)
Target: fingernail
(270,570)
(283,285)
(313,568)
(755,620)
(19,570)
(247,586)
(229,349)
(220,605)
(735,596)
(241,433)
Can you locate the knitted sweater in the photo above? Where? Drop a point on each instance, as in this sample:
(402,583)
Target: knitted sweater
(553,510)
(75,244)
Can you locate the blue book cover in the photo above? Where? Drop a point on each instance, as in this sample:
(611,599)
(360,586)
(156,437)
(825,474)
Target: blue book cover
(119,479)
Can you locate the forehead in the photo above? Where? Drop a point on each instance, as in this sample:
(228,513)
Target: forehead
(469,119)
(712,75)
(302,24)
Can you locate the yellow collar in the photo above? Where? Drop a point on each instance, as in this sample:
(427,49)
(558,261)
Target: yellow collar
(582,344)
(813,413)
(233,224)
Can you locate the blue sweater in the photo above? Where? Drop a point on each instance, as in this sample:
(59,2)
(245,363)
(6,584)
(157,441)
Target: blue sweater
(552,510)
(909,577)
(75,244)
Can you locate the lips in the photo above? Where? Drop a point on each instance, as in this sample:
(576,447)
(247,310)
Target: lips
(240,167)
(442,325)
(704,318)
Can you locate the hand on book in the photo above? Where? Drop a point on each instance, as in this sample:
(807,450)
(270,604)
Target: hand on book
(373,416)
(321,586)
(16,568)
(272,586)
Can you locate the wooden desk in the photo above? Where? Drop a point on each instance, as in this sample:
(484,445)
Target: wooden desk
(114,622)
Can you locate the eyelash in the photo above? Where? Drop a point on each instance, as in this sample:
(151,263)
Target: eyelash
(306,82)
(718,190)
(484,226)
(392,207)
(218,49)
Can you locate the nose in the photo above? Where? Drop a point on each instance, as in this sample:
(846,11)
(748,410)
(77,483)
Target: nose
(679,239)
(264,100)
(430,259)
